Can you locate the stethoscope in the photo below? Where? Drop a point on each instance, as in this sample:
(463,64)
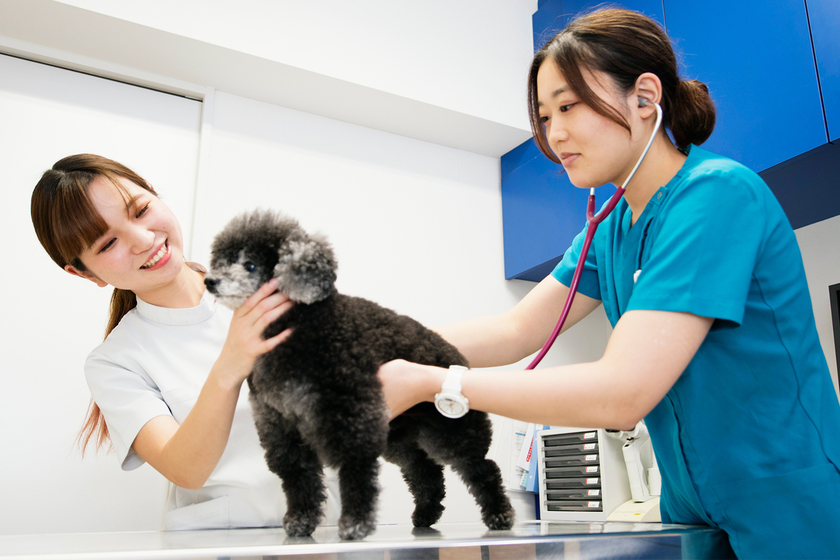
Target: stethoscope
(592,221)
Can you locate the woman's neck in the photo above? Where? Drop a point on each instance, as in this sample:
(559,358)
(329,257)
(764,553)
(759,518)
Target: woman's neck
(661,164)
(185,291)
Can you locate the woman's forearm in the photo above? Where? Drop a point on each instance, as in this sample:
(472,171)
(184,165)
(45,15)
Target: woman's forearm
(647,353)
(486,341)
(187,454)
(506,338)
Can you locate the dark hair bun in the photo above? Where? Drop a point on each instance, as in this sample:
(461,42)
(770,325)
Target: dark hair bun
(693,114)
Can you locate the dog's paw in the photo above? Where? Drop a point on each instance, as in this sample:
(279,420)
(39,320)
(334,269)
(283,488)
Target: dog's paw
(500,521)
(301,524)
(353,529)
(427,515)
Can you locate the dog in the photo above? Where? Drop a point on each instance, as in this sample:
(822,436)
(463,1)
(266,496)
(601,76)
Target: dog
(317,399)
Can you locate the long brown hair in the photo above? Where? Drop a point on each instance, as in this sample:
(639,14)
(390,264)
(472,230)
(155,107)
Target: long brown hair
(623,44)
(66,223)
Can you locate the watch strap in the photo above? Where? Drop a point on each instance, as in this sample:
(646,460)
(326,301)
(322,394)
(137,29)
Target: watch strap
(452,382)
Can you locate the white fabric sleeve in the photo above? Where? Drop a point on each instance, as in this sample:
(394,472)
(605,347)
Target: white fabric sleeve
(128,399)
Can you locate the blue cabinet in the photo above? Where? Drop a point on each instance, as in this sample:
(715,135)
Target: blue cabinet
(761,66)
(541,211)
(824,17)
(553,15)
(757,60)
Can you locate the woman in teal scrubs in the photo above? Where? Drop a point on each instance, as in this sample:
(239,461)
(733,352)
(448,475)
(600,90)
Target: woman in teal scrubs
(714,342)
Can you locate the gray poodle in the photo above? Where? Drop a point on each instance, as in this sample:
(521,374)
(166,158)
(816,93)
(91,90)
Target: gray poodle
(317,398)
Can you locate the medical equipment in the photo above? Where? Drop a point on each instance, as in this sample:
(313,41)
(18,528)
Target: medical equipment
(592,224)
(643,474)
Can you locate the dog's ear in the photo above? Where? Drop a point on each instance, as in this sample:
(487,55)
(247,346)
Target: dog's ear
(306,269)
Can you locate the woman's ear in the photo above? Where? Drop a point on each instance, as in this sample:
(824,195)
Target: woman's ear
(69,268)
(649,88)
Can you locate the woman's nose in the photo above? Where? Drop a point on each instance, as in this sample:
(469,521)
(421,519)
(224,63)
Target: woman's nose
(556,132)
(143,239)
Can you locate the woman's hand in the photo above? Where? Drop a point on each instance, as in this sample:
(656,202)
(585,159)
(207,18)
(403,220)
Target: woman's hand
(406,384)
(187,453)
(244,343)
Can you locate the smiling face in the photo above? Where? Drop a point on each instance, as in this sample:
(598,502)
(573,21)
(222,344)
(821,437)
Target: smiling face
(593,149)
(142,249)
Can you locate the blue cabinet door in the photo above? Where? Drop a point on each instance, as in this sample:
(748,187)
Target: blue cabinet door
(756,58)
(553,15)
(824,17)
(541,212)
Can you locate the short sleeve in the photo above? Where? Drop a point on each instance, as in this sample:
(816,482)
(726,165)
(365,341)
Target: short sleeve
(701,252)
(127,399)
(565,270)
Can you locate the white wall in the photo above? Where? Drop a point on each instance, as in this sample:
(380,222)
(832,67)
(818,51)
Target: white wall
(452,73)
(452,54)
(821,255)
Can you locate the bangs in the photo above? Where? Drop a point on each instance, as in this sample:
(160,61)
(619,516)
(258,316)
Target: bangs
(76,222)
(572,56)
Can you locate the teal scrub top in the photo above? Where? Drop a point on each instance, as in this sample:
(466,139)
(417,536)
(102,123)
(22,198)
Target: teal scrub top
(748,438)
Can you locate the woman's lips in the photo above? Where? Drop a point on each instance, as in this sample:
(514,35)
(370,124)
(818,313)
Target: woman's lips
(567,158)
(160,258)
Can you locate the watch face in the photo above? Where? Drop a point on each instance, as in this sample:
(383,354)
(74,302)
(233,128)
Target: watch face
(451,407)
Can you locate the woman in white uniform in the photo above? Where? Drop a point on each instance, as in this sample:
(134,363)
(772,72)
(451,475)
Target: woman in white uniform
(167,383)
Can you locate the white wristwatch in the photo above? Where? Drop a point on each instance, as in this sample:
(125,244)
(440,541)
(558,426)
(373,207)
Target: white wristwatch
(450,402)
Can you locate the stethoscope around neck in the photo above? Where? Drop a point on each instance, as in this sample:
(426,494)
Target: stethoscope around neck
(592,221)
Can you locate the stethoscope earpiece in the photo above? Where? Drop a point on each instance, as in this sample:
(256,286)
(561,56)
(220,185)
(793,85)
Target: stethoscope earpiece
(642,102)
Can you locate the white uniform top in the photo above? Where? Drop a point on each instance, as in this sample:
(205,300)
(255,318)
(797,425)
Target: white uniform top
(154,363)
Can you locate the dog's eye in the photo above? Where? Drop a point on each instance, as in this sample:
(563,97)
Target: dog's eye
(249,266)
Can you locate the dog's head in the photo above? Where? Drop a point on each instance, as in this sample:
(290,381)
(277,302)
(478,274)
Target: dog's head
(258,246)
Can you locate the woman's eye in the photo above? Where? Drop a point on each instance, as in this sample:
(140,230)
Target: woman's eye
(543,120)
(564,108)
(143,210)
(106,246)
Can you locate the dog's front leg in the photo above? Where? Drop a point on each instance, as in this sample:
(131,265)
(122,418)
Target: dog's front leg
(298,467)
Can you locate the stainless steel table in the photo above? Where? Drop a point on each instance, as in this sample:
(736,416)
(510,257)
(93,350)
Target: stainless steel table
(467,541)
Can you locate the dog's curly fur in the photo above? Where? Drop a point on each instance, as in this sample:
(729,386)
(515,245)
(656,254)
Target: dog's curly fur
(317,398)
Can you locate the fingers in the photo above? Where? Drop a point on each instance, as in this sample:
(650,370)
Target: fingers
(271,308)
(275,341)
(266,304)
(254,299)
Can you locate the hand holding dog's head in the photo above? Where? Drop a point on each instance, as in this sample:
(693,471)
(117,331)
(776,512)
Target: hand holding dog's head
(257,246)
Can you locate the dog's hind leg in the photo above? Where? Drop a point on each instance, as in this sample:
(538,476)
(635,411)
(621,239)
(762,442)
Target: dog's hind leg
(423,476)
(484,481)
(298,467)
(463,444)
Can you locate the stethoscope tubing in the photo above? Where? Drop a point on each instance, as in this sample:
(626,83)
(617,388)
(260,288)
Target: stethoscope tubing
(592,221)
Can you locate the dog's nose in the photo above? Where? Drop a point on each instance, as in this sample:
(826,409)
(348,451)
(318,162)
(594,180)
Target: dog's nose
(211,283)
